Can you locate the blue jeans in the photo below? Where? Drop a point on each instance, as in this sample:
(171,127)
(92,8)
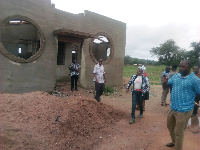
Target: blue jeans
(137,96)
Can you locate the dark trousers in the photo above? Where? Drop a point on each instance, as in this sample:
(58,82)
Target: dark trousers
(137,97)
(197,101)
(99,87)
(74,78)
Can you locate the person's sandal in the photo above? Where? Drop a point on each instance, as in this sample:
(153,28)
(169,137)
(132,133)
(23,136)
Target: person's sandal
(170,144)
(140,116)
(132,121)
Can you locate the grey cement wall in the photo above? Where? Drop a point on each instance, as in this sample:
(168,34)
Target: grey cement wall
(41,74)
(117,31)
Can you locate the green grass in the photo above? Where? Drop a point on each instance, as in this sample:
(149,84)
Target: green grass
(153,72)
(108,90)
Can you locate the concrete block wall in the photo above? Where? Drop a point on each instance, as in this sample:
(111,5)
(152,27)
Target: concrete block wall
(42,73)
(94,23)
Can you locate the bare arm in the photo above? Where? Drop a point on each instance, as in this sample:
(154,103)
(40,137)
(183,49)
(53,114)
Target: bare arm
(104,76)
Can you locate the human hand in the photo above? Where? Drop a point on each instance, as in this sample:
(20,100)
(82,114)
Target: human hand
(164,78)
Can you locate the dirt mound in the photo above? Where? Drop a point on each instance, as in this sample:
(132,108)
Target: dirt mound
(39,120)
(74,120)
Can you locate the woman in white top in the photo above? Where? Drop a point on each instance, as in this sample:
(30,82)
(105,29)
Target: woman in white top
(140,86)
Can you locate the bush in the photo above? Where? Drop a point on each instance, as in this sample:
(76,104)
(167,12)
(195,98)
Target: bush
(108,90)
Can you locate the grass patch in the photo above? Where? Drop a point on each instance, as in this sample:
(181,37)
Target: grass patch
(108,90)
(153,72)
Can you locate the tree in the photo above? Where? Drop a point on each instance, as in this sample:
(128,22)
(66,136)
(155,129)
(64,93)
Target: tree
(131,61)
(194,54)
(128,60)
(168,53)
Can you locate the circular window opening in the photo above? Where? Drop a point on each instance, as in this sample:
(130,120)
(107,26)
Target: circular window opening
(101,47)
(21,39)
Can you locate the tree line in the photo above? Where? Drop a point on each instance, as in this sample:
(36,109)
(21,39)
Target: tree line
(169,54)
(128,60)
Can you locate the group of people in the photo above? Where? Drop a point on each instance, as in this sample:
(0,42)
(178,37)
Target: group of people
(184,87)
(166,90)
(99,77)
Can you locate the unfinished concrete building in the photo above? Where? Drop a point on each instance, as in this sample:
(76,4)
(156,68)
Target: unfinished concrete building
(38,42)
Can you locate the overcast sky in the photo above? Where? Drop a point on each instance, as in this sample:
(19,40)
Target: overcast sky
(149,22)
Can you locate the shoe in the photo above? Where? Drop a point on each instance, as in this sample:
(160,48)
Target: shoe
(132,121)
(170,144)
(140,116)
(76,89)
(98,100)
(162,104)
(72,90)
(193,115)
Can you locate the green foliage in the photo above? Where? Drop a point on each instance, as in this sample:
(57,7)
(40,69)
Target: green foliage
(194,54)
(108,90)
(153,72)
(131,61)
(169,53)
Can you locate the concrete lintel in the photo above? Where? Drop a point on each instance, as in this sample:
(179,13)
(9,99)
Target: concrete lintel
(72,33)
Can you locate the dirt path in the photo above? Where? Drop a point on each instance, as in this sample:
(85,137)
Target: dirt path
(28,122)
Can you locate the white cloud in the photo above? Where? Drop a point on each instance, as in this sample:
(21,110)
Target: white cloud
(149,22)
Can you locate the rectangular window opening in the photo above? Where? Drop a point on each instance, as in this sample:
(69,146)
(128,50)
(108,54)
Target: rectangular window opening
(61,53)
(19,50)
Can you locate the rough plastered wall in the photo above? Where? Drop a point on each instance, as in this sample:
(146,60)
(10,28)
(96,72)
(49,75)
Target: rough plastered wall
(42,73)
(39,74)
(95,23)
(69,21)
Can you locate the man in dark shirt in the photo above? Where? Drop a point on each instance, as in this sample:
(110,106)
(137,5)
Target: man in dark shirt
(197,98)
(165,91)
(74,73)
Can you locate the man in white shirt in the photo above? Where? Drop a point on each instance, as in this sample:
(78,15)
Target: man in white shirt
(99,79)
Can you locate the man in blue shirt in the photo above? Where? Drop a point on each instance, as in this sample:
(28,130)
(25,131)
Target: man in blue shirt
(185,86)
(165,90)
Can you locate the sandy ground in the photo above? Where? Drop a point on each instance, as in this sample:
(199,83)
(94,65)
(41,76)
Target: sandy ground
(74,120)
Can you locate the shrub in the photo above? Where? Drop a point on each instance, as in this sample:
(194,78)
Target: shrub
(108,90)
